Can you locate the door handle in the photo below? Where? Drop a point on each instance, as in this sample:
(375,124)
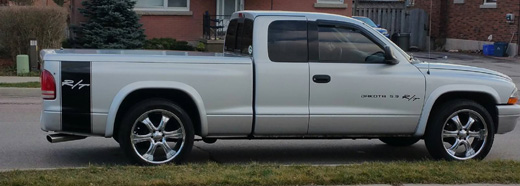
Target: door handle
(321,78)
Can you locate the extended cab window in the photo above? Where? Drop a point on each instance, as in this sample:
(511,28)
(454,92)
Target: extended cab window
(239,36)
(287,41)
(347,45)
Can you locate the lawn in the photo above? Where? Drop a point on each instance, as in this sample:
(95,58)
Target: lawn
(422,172)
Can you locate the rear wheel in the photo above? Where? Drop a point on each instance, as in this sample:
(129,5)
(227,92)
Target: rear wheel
(400,141)
(156,131)
(460,130)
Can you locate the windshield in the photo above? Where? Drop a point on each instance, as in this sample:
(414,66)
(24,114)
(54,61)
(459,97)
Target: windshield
(367,21)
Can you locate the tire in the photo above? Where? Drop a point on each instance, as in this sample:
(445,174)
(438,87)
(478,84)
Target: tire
(459,130)
(156,131)
(400,141)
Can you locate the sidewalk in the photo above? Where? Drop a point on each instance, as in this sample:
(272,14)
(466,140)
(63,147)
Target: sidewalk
(19,92)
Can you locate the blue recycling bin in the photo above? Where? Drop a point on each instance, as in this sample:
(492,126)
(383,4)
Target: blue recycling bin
(488,50)
(500,49)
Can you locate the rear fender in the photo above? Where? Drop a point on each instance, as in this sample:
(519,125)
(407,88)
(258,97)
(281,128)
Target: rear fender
(125,91)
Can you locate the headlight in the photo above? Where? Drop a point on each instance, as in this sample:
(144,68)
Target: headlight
(513,98)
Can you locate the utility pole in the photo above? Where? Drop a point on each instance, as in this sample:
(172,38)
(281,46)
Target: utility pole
(355,7)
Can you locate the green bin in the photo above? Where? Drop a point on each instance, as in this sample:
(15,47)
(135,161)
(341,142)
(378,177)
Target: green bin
(22,64)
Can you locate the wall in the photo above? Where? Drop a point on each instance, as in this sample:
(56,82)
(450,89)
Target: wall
(180,27)
(297,5)
(189,27)
(469,22)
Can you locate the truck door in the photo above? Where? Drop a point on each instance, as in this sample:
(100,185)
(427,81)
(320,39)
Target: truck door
(353,90)
(281,75)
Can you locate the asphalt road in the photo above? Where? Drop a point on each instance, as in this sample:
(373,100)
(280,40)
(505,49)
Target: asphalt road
(23,144)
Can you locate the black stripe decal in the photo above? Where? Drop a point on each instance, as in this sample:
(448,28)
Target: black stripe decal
(75,97)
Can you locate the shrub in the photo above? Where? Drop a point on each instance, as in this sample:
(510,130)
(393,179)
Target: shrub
(23,2)
(167,44)
(20,24)
(111,24)
(59,2)
(201,47)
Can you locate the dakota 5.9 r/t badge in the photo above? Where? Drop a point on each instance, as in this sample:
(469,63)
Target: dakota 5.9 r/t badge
(392,96)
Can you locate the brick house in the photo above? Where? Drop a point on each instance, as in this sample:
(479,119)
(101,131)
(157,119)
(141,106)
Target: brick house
(467,24)
(183,19)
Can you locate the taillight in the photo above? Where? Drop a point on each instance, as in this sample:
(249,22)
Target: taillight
(48,85)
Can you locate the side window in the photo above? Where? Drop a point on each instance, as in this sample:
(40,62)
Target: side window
(287,41)
(239,36)
(231,36)
(347,45)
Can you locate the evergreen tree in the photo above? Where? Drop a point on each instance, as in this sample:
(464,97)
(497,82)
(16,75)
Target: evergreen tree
(111,24)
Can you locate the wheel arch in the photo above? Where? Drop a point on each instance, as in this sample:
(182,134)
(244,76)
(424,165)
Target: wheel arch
(484,95)
(180,93)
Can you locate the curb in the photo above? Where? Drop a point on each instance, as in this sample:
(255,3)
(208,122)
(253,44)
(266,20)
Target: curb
(20,92)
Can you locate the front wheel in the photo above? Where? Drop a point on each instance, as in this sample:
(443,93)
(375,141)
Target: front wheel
(155,132)
(460,130)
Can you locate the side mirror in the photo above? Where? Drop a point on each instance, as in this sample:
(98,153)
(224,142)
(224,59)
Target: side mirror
(378,26)
(389,56)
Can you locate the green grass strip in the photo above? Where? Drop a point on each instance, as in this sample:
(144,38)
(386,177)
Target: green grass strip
(422,172)
(21,85)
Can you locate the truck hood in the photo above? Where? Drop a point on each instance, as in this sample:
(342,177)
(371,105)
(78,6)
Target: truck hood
(446,66)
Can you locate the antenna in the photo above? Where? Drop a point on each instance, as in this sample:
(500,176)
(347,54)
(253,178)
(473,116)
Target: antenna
(430,37)
(430,31)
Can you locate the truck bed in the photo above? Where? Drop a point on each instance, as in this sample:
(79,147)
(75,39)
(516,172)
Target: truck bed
(151,56)
(220,83)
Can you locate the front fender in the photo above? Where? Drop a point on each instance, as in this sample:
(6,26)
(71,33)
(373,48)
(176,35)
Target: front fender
(128,89)
(428,105)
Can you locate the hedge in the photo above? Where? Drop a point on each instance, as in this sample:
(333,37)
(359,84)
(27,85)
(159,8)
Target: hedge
(20,24)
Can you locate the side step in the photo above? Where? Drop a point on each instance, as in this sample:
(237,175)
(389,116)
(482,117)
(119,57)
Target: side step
(56,138)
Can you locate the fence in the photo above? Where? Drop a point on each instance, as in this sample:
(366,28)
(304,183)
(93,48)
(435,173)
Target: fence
(396,18)
(214,26)
(391,16)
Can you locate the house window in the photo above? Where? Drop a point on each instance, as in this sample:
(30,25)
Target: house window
(330,4)
(332,1)
(489,4)
(174,5)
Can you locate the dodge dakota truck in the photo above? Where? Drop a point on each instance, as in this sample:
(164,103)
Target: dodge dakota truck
(282,75)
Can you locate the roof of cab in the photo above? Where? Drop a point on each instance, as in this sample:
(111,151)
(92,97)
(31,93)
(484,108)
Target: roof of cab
(310,15)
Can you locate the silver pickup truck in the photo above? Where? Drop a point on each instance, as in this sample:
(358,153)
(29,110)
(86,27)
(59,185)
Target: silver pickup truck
(282,75)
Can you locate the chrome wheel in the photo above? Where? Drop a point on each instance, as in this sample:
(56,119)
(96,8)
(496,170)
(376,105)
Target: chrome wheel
(464,134)
(158,136)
